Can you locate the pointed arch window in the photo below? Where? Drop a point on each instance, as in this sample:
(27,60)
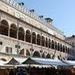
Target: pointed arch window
(36,54)
(48,56)
(22,52)
(27,53)
(43,55)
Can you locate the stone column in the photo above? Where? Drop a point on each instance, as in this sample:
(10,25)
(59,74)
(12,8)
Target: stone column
(0,17)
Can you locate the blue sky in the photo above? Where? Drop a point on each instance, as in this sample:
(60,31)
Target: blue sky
(61,11)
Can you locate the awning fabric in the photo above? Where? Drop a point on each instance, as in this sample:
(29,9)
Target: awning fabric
(30,61)
(71,62)
(43,61)
(13,62)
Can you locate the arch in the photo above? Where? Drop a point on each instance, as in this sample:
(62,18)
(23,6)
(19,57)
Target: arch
(48,56)
(13,31)
(68,50)
(3,59)
(47,42)
(22,52)
(33,37)
(63,48)
(38,39)
(28,36)
(27,53)
(56,47)
(43,41)
(43,55)
(4,27)
(52,44)
(36,54)
(21,34)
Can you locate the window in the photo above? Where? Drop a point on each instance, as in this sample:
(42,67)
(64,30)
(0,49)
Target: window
(43,41)
(8,50)
(38,39)
(52,44)
(1,43)
(21,34)
(47,42)
(28,36)
(34,38)
(13,31)
(4,27)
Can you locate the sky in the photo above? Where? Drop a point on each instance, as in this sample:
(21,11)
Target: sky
(61,11)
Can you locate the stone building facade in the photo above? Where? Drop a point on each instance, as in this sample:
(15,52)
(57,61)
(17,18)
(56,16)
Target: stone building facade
(22,33)
(71,40)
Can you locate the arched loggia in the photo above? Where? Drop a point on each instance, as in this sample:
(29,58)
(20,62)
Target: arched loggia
(4,27)
(21,52)
(36,54)
(21,34)
(52,44)
(33,37)
(63,48)
(43,55)
(28,36)
(48,56)
(38,39)
(27,53)
(56,46)
(13,31)
(43,41)
(47,42)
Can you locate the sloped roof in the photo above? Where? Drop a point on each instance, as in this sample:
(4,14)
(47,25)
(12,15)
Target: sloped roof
(13,62)
(43,61)
(30,61)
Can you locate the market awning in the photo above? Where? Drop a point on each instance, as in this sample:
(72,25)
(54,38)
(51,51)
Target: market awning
(30,61)
(70,62)
(44,61)
(13,62)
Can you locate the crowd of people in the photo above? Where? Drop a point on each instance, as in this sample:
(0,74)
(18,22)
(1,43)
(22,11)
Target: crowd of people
(36,71)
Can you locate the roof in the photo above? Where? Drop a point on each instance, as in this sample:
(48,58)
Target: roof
(43,61)
(13,62)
